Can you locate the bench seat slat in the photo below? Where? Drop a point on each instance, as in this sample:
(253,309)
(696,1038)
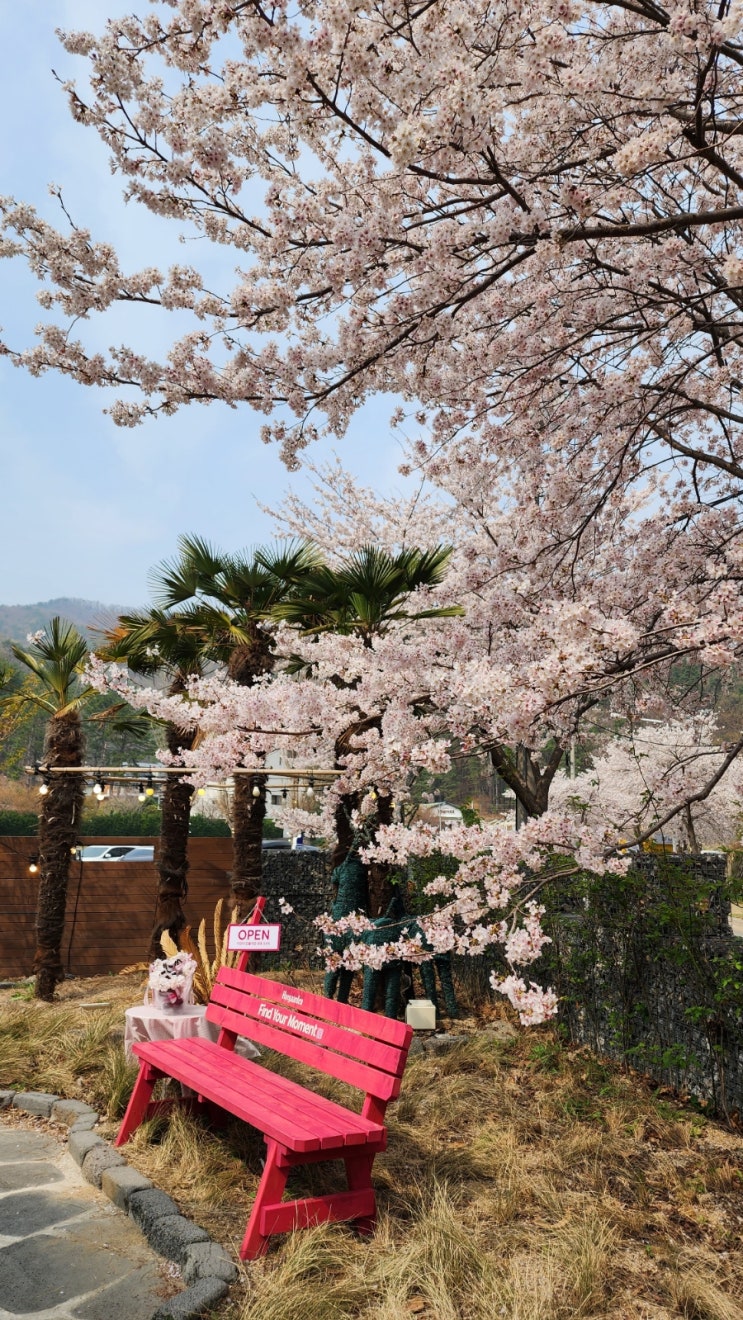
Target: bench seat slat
(299,1119)
(307,1026)
(318,1113)
(215,1084)
(360,1075)
(376,1027)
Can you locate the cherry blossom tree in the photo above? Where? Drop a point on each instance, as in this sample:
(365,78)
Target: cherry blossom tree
(655,775)
(513,216)
(548,638)
(521,220)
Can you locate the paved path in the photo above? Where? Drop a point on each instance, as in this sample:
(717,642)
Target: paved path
(66,1253)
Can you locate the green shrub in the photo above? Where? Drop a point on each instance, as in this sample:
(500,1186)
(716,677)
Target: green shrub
(209,827)
(18,822)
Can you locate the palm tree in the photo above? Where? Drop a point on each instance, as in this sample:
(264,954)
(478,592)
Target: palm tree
(366,594)
(230,598)
(154,642)
(56,659)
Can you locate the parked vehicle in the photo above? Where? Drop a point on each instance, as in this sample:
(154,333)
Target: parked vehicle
(117,852)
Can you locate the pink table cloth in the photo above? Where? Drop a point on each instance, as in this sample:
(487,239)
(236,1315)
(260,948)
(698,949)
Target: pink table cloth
(146,1023)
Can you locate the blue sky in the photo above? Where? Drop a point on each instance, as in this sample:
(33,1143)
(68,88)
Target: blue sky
(87,507)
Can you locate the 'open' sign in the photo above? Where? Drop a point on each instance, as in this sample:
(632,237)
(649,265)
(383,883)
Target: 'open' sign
(265,938)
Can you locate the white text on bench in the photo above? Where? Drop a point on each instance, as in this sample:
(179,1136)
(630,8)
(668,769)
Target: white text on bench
(272,1013)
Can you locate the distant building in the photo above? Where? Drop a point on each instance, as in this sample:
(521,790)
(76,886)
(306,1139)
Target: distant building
(444,815)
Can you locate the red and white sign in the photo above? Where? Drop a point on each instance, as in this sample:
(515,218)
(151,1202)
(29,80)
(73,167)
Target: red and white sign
(267,939)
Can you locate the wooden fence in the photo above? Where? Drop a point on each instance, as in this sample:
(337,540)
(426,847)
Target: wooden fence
(110,905)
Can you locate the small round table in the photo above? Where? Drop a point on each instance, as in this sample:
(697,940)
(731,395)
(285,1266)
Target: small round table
(143,1022)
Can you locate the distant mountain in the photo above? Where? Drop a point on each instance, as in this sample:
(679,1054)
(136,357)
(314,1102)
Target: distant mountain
(17,621)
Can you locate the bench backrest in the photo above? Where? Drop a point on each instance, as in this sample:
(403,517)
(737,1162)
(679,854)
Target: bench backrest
(364,1049)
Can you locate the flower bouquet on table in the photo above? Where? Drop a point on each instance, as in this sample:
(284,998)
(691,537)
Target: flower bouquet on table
(170,984)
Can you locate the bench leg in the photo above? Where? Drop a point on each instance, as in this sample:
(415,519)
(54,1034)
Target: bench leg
(270,1192)
(358,1174)
(139,1102)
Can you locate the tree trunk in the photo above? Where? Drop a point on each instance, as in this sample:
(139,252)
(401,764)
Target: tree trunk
(248,813)
(173,853)
(530,782)
(247,663)
(691,833)
(59,819)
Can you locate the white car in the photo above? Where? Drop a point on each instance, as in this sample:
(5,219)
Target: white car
(117,852)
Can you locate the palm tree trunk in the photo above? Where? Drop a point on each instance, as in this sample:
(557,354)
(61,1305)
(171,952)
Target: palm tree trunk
(58,829)
(173,853)
(248,813)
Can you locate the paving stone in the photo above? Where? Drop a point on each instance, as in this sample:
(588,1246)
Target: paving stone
(38,1273)
(6,1099)
(173,1235)
(118,1185)
(69,1111)
(148,1206)
(81,1143)
(35,1102)
(16,1144)
(13,1176)
(100,1157)
(133,1297)
(22,1213)
(205,1260)
(193,1302)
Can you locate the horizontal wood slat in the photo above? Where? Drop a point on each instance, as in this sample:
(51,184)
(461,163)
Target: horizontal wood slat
(110,905)
(343,1069)
(280,1108)
(315,1029)
(282,1218)
(329,1010)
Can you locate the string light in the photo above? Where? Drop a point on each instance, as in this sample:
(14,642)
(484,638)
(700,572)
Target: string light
(98,786)
(256,789)
(44,788)
(141,795)
(33,865)
(310,789)
(200,792)
(150,788)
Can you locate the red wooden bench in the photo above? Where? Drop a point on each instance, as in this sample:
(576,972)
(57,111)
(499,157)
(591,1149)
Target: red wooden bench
(300,1126)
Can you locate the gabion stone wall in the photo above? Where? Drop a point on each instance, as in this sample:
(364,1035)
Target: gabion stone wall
(649,972)
(303,879)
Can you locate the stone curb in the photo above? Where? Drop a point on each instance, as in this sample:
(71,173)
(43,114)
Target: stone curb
(205,1265)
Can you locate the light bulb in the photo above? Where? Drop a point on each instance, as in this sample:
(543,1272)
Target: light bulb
(141,795)
(309,791)
(256,791)
(43,789)
(200,792)
(33,866)
(98,788)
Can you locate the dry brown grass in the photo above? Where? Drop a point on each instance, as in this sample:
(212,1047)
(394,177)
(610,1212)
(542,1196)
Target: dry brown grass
(524,1180)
